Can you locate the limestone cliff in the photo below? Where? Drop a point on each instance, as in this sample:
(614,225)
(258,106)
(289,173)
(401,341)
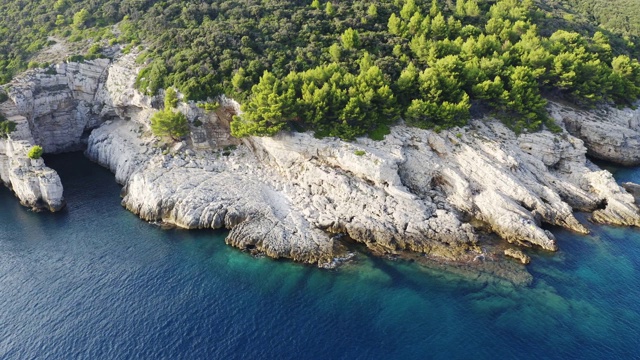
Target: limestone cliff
(55,109)
(36,185)
(609,134)
(61,105)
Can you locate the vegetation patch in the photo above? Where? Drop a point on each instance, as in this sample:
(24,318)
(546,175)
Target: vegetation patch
(380,132)
(169,122)
(209,106)
(35,152)
(6,126)
(349,69)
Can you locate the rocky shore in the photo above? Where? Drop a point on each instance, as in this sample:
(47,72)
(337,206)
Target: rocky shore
(293,196)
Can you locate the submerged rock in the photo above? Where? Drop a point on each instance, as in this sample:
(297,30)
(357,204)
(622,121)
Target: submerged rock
(518,255)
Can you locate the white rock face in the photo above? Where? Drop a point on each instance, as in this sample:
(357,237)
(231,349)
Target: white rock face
(57,110)
(609,134)
(294,196)
(53,110)
(36,185)
(415,191)
(59,106)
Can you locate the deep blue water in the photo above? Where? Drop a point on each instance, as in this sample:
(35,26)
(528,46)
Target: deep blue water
(95,282)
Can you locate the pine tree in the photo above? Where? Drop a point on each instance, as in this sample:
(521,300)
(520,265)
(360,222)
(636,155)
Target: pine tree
(408,10)
(435,8)
(372,11)
(471,8)
(439,29)
(350,39)
(523,97)
(170,99)
(395,25)
(169,123)
(335,52)
(461,10)
(329,9)
(81,18)
(239,80)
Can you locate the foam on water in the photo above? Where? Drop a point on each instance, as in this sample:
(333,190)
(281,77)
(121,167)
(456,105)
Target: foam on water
(97,282)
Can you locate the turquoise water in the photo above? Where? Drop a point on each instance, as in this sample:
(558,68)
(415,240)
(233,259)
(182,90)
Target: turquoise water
(95,282)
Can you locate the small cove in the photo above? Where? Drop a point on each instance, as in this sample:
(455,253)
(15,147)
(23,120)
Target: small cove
(94,281)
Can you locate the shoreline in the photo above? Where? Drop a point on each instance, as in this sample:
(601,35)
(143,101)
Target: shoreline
(416,192)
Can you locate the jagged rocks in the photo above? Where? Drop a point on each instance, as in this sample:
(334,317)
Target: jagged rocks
(36,185)
(416,191)
(59,107)
(610,134)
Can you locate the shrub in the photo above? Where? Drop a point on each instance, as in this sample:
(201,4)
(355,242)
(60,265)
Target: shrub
(169,123)
(75,58)
(359,152)
(6,126)
(35,152)
(94,50)
(379,133)
(170,98)
(209,106)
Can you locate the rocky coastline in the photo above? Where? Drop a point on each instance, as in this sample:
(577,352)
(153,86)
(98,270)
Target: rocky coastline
(415,194)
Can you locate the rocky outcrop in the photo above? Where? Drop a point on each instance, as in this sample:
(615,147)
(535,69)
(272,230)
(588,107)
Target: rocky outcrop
(633,189)
(60,104)
(294,196)
(416,191)
(609,134)
(36,185)
(56,109)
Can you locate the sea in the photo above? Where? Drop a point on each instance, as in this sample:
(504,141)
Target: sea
(96,282)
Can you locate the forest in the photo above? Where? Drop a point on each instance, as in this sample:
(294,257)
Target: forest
(349,69)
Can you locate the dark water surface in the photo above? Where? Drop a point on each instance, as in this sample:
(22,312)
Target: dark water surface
(95,282)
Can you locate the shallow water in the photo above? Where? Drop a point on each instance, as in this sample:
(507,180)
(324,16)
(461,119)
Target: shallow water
(96,282)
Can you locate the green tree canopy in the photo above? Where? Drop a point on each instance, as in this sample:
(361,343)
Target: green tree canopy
(81,18)
(169,123)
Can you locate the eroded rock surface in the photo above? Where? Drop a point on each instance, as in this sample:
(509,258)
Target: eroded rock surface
(418,191)
(609,134)
(55,109)
(36,185)
(294,196)
(61,105)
